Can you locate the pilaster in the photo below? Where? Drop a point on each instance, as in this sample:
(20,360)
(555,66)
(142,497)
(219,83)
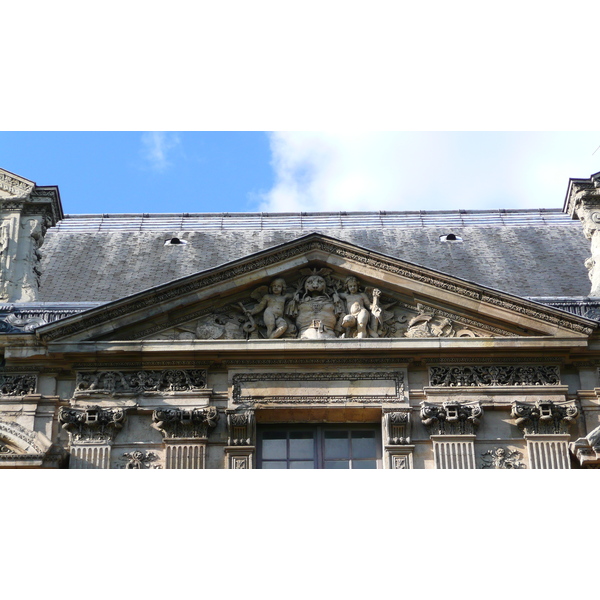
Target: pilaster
(241,439)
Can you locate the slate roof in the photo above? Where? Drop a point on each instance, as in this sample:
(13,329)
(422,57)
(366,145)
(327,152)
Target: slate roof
(98,258)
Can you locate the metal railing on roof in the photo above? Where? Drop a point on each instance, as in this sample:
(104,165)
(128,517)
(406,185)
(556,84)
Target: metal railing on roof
(313,221)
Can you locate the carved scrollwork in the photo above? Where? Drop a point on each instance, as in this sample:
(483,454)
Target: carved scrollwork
(17,385)
(92,424)
(545,417)
(451,418)
(5,450)
(140,382)
(454,376)
(500,458)
(179,423)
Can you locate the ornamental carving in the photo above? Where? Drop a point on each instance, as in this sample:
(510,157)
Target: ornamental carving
(397,428)
(179,423)
(5,450)
(455,376)
(92,424)
(319,304)
(545,417)
(17,385)
(500,458)
(587,449)
(140,382)
(139,460)
(240,428)
(451,418)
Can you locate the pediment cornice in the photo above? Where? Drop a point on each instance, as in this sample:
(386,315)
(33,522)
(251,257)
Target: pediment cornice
(313,248)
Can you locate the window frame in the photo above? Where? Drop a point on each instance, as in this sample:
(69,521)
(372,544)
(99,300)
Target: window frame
(319,430)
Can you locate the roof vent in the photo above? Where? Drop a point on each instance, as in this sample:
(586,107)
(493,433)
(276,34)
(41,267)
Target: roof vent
(450,237)
(175,242)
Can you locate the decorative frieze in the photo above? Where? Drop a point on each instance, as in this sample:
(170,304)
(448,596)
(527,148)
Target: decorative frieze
(451,418)
(24,438)
(92,424)
(500,458)
(544,417)
(180,423)
(139,382)
(17,385)
(494,375)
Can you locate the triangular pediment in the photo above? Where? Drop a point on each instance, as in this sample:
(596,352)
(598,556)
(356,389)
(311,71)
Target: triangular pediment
(388,298)
(14,186)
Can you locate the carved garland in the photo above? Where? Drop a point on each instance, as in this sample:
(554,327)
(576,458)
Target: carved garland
(157,297)
(239,379)
(493,375)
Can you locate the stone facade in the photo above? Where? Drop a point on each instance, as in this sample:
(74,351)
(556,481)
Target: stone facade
(314,353)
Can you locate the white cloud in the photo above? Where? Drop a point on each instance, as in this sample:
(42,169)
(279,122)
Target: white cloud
(156,148)
(426,170)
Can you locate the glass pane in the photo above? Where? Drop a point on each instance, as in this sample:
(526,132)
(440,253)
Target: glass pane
(302,464)
(337,464)
(302,444)
(336,444)
(364,464)
(274,445)
(363,444)
(271,464)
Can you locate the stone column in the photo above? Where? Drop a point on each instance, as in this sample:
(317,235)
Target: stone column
(26,212)
(452,427)
(583,203)
(545,426)
(397,449)
(92,431)
(241,435)
(185,433)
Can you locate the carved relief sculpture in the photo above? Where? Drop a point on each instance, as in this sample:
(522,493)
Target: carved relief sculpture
(358,321)
(92,424)
(272,302)
(544,417)
(139,382)
(451,418)
(179,423)
(140,460)
(493,375)
(499,458)
(17,385)
(315,307)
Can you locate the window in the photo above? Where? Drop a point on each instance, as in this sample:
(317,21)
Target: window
(319,447)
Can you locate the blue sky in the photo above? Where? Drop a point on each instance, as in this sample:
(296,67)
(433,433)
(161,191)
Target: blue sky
(144,172)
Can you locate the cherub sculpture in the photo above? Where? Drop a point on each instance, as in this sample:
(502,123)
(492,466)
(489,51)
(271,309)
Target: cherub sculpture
(273,304)
(358,321)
